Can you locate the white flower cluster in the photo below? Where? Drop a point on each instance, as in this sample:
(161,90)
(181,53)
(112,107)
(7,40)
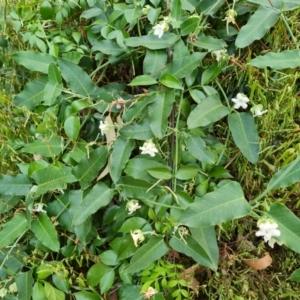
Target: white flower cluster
(149,293)
(132,206)
(268,229)
(220,55)
(159,29)
(149,148)
(241,100)
(103,126)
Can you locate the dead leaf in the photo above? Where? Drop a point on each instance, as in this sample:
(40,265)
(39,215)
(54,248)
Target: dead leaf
(188,276)
(259,263)
(110,133)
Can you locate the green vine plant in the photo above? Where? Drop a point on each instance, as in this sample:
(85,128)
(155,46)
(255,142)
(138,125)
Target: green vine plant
(130,133)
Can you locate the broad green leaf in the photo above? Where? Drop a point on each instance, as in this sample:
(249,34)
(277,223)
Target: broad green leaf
(72,127)
(180,50)
(273,4)
(7,202)
(210,43)
(32,94)
(206,237)
(210,73)
(78,81)
(143,80)
(137,168)
(139,189)
(283,60)
(187,172)
(159,112)
(153,14)
(61,282)
(107,281)
(82,230)
(52,178)
(130,292)
(137,130)
(189,25)
(171,81)
(210,7)
(52,293)
(54,74)
(12,229)
(182,67)
(88,168)
(44,271)
(120,156)
(176,9)
(15,185)
(45,147)
(288,224)
(132,14)
(154,62)
(245,134)
(221,205)
(54,87)
(286,176)
(96,272)
(45,232)
(262,20)
(147,254)
(138,110)
(38,292)
(84,295)
(164,173)
(153,42)
(132,224)
(197,147)
(208,111)
(51,92)
(190,247)
(295,276)
(24,283)
(126,248)
(34,61)
(189,5)
(108,47)
(110,257)
(98,197)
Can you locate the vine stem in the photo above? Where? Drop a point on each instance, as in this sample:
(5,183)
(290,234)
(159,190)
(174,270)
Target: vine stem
(289,30)
(164,205)
(11,249)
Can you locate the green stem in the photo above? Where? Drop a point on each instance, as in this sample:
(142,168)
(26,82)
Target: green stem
(175,165)
(164,205)
(11,249)
(223,93)
(289,30)
(225,147)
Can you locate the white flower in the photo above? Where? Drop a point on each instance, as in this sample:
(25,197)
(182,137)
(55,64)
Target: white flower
(149,293)
(159,29)
(137,236)
(3,292)
(132,206)
(103,127)
(220,54)
(257,110)
(240,101)
(13,288)
(149,148)
(39,208)
(230,16)
(268,230)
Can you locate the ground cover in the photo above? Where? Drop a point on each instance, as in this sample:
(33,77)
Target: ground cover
(149,150)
